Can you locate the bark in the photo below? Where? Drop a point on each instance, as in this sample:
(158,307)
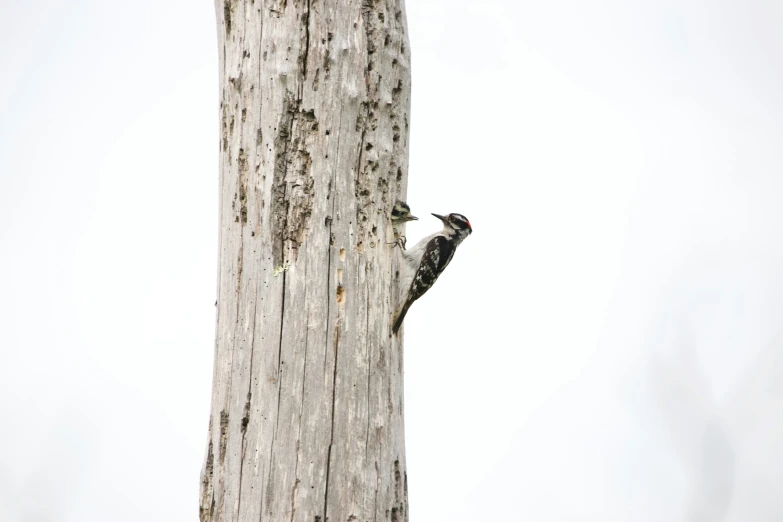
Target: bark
(307,401)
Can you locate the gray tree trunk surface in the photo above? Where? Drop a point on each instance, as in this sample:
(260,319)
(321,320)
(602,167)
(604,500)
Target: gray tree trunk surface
(307,400)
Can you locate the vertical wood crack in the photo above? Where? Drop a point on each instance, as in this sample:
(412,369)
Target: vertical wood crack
(331,436)
(246,417)
(328,315)
(280,353)
(301,410)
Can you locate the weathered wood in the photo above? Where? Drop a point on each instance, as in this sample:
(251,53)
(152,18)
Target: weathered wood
(307,402)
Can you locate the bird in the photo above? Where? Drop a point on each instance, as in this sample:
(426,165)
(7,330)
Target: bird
(428,259)
(401,214)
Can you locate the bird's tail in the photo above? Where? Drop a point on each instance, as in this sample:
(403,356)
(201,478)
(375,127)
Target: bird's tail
(400,317)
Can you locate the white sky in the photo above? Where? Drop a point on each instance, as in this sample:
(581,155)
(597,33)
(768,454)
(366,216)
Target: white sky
(621,164)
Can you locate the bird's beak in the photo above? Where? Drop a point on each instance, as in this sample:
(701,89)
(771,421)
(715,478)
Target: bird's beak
(411,217)
(442,218)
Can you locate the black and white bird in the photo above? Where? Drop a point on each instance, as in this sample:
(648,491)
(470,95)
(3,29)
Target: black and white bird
(401,214)
(428,259)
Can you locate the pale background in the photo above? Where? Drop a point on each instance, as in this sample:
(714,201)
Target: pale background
(619,300)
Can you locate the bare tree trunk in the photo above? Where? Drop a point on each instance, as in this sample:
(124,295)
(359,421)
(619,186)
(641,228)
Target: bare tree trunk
(307,401)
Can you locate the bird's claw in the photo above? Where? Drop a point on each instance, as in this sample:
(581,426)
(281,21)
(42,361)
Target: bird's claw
(400,241)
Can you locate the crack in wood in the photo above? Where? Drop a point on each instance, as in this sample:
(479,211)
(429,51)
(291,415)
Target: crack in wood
(331,436)
(301,411)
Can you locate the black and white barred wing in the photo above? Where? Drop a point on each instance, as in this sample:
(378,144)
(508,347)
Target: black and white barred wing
(436,257)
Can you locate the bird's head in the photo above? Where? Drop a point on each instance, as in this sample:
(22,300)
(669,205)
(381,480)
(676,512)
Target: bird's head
(401,213)
(456,224)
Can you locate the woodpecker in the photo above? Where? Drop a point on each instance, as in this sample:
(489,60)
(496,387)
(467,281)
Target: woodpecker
(428,259)
(401,214)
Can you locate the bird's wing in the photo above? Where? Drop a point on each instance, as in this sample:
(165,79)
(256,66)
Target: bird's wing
(437,254)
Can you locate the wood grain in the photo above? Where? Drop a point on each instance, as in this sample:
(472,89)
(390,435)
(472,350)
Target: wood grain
(307,401)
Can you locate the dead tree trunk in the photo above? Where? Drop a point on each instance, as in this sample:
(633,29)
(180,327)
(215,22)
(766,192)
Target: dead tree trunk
(307,400)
